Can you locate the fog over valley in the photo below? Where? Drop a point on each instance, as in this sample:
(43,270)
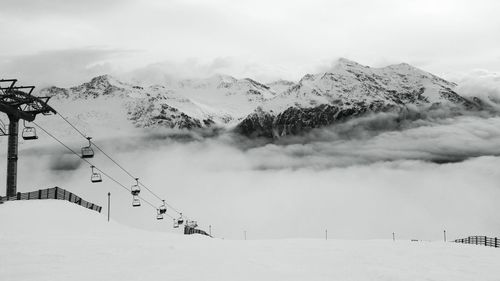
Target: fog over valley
(364,178)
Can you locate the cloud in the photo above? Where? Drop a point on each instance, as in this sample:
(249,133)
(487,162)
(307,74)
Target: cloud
(60,67)
(384,138)
(360,179)
(480,83)
(64,162)
(168,71)
(42,8)
(270,39)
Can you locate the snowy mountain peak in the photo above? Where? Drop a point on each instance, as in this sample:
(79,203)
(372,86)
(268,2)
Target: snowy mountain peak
(280,86)
(346,63)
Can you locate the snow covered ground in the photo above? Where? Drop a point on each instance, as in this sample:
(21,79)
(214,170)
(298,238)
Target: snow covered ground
(56,240)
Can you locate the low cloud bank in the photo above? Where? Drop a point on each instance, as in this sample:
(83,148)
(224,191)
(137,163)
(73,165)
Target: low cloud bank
(370,140)
(364,178)
(480,83)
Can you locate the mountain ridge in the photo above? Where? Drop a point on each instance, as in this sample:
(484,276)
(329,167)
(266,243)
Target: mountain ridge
(346,90)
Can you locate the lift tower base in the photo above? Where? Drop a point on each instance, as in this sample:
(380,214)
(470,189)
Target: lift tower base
(18,103)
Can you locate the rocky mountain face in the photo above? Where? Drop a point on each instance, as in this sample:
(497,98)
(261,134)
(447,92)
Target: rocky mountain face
(275,109)
(349,90)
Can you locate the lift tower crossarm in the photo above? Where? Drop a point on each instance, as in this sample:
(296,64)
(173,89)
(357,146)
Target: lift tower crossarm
(18,104)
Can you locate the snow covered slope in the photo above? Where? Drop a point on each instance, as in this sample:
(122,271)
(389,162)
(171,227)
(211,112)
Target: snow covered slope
(276,109)
(57,240)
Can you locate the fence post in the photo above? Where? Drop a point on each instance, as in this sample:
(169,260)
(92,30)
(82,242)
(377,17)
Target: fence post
(485,241)
(19,196)
(496,242)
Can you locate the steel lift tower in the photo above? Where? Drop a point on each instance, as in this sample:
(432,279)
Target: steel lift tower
(18,103)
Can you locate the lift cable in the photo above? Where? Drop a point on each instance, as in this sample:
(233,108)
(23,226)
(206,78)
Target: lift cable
(95,167)
(117,164)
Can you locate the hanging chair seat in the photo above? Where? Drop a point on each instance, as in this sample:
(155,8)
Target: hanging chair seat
(96,177)
(135,190)
(87,152)
(29,133)
(136,202)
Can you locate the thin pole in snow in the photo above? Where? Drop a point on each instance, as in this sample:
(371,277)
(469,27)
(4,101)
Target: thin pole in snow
(444,235)
(245,234)
(393,237)
(326,234)
(109,203)
(210,230)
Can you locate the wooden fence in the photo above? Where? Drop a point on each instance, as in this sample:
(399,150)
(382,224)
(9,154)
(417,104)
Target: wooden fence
(480,240)
(191,230)
(52,193)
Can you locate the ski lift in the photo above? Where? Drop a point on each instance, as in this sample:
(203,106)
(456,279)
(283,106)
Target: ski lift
(163,208)
(29,133)
(135,201)
(180,220)
(95,177)
(176,225)
(159,215)
(87,151)
(135,189)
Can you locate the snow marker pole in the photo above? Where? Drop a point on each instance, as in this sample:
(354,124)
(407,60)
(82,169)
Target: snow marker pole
(109,203)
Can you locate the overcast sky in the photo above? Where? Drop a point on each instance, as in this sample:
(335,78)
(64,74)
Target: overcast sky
(64,42)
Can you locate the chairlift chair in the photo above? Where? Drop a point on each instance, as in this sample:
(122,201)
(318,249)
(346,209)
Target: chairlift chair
(135,189)
(87,151)
(29,133)
(180,220)
(159,215)
(163,208)
(176,225)
(95,177)
(136,202)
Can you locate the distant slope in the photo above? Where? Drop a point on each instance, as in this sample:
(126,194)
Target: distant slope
(56,240)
